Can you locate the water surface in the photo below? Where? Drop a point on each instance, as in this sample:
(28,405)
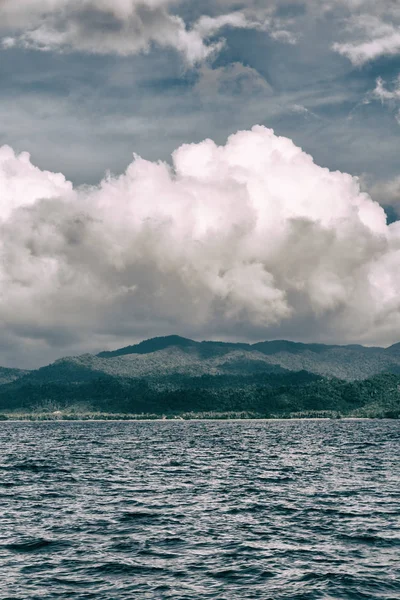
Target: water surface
(188,510)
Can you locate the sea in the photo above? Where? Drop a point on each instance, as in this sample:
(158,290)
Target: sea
(295,510)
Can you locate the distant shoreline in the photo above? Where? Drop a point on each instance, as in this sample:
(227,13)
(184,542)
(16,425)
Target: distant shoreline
(173,420)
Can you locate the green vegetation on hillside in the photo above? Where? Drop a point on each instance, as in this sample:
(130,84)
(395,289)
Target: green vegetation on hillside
(173,376)
(271,395)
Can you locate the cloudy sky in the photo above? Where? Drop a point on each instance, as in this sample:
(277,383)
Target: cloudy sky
(216,169)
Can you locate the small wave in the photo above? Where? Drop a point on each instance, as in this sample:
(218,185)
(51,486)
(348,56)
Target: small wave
(62,495)
(137,515)
(72,582)
(226,574)
(266,575)
(370,539)
(38,567)
(35,467)
(36,545)
(117,568)
(157,554)
(275,479)
(162,588)
(338,577)
(233,575)
(253,508)
(173,541)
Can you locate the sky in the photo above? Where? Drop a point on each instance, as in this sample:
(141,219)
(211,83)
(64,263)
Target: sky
(217,169)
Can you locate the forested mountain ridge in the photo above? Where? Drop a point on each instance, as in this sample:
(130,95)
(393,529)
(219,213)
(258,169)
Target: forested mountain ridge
(172,375)
(176,355)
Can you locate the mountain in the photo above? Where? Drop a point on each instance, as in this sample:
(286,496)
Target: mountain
(9,375)
(393,350)
(152,345)
(173,354)
(174,374)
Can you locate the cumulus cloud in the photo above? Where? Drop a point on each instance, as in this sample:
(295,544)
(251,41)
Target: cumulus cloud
(121,27)
(246,236)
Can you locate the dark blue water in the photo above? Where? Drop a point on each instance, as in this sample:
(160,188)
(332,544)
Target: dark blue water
(230,510)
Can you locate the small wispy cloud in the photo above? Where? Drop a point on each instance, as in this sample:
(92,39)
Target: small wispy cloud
(388,94)
(302,110)
(372,31)
(361,53)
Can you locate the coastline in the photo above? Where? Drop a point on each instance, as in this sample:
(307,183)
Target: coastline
(174,420)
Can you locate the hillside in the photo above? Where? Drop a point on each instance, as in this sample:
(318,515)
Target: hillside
(274,395)
(174,375)
(9,375)
(171,355)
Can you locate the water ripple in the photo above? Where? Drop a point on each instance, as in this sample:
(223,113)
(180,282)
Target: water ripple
(295,510)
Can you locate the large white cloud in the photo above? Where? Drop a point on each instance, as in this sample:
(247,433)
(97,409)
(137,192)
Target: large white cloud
(241,237)
(21,183)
